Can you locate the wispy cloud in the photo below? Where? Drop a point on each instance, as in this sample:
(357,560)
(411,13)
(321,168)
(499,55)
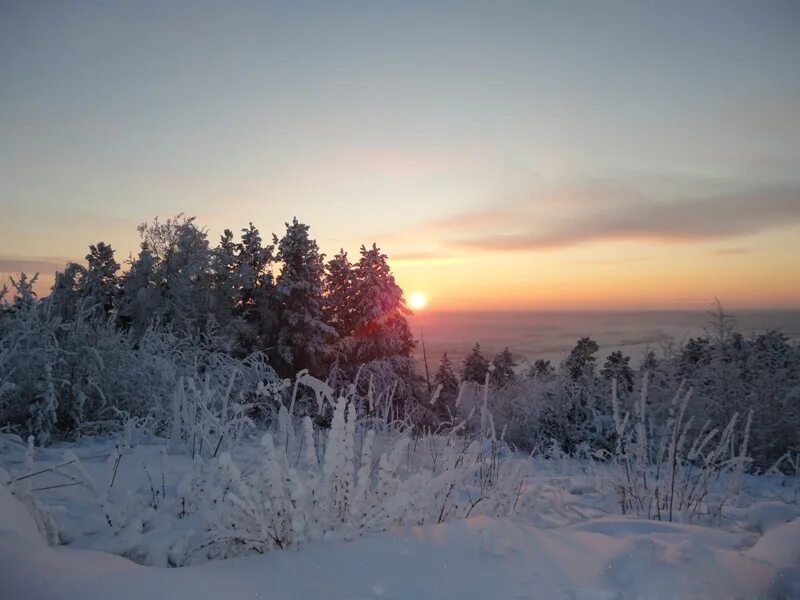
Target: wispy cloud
(424,258)
(47,265)
(730,251)
(564,217)
(612,262)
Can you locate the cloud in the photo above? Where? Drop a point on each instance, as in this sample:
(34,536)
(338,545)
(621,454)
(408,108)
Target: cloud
(409,256)
(730,251)
(564,217)
(611,262)
(424,258)
(14,265)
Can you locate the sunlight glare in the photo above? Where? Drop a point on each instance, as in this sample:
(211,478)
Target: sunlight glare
(417,300)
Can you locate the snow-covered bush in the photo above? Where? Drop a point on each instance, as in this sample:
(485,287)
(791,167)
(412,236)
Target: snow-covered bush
(668,470)
(88,376)
(302,481)
(313,484)
(535,412)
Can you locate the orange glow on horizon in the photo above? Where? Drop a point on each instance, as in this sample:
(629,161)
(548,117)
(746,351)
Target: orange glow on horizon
(615,276)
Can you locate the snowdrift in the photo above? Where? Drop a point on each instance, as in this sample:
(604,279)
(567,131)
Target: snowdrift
(480,557)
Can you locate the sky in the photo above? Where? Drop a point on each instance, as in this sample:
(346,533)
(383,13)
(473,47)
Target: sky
(505,155)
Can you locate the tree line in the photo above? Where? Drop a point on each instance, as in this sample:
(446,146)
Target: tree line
(111,345)
(273,308)
(540,405)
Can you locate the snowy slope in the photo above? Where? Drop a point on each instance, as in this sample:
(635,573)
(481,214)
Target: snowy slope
(477,558)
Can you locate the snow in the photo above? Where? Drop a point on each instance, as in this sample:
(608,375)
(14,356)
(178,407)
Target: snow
(477,558)
(763,516)
(569,546)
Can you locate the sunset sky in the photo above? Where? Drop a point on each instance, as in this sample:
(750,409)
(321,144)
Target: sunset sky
(505,155)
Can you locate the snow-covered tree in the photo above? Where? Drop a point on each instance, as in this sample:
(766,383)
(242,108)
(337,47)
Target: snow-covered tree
(475,366)
(255,268)
(445,376)
(340,291)
(446,381)
(303,337)
(24,296)
(541,370)
(171,279)
(581,358)
(140,296)
(380,326)
(244,287)
(617,366)
(67,292)
(502,372)
(649,362)
(100,283)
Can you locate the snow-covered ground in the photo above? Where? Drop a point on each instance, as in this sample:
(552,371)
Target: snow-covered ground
(567,542)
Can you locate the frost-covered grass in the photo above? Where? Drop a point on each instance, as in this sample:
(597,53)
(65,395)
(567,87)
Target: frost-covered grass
(564,538)
(220,486)
(367,505)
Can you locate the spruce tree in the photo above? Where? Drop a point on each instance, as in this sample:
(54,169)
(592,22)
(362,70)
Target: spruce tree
(24,296)
(67,290)
(445,376)
(140,297)
(581,359)
(303,337)
(475,366)
(340,294)
(254,262)
(258,302)
(101,283)
(649,362)
(542,370)
(380,326)
(617,366)
(178,266)
(502,373)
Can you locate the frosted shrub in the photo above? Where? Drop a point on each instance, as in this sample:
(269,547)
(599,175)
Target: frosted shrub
(20,485)
(302,482)
(293,493)
(669,469)
(86,376)
(204,419)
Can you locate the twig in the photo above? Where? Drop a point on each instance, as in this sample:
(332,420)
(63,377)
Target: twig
(53,468)
(52,487)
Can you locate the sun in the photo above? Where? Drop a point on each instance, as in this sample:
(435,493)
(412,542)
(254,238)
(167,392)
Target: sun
(417,300)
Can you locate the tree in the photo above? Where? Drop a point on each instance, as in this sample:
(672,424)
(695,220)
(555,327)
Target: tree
(649,362)
(244,288)
(227,281)
(380,326)
(502,372)
(303,336)
(339,307)
(618,367)
(694,356)
(4,308)
(24,295)
(254,263)
(101,284)
(140,297)
(542,370)
(475,366)
(581,359)
(176,274)
(445,378)
(67,291)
